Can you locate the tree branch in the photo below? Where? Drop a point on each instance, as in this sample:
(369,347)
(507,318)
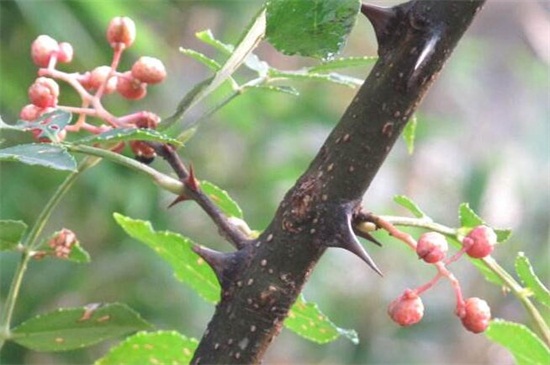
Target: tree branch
(261,280)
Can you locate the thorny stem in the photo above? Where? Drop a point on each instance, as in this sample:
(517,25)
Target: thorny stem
(519,291)
(192,191)
(30,243)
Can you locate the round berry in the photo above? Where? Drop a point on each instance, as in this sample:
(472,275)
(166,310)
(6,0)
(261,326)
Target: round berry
(121,30)
(44,92)
(97,78)
(143,152)
(480,242)
(65,53)
(42,49)
(130,87)
(148,120)
(149,70)
(477,315)
(30,112)
(407,309)
(432,247)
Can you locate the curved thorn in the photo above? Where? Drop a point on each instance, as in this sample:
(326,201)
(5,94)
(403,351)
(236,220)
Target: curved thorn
(179,199)
(380,19)
(191,182)
(220,262)
(352,244)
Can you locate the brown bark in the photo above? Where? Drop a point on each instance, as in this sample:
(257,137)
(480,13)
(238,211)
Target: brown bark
(262,280)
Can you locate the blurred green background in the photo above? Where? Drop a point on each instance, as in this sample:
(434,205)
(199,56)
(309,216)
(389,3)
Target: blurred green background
(483,138)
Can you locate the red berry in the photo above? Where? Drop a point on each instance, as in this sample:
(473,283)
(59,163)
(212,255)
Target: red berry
(432,247)
(130,87)
(149,70)
(30,112)
(42,49)
(98,76)
(65,53)
(148,120)
(44,92)
(480,242)
(121,30)
(477,315)
(407,309)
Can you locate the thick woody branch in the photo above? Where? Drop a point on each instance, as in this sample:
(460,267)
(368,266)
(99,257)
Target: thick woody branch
(262,280)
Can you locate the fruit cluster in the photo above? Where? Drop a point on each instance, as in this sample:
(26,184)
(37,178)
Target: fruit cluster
(92,85)
(432,248)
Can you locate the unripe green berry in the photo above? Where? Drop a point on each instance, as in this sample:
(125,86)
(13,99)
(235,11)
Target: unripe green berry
(149,70)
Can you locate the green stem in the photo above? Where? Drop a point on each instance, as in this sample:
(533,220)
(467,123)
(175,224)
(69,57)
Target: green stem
(519,291)
(31,242)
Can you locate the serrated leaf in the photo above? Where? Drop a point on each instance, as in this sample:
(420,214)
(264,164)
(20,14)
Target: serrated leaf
(530,280)
(344,62)
(468,218)
(207,37)
(41,154)
(175,249)
(305,75)
(11,234)
(409,133)
(524,345)
(305,319)
(163,347)
(503,234)
(129,134)
(410,205)
(202,58)
(222,199)
(49,124)
(281,89)
(73,328)
(316,28)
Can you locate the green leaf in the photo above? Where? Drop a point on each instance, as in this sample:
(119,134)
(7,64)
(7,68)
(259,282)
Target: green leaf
(503,234)
(531,280)
(316,28)
(202,58)
(524,345)
(305,319)
(409,133)
(42,154)
(207,37)
(73,328)
(410,205)
(175,249)
(49,124)
(163,347)
(468,218)
(344,62)
(222,199)
(305,75)
(11,234)
(129,134)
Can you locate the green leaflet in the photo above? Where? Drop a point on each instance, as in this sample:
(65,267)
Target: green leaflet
(73,328)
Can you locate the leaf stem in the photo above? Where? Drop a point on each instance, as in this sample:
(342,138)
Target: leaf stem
(30,243)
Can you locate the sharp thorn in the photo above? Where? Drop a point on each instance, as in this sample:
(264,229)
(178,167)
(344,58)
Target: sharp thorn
(352,244)
(179,199)
(191,182)
(380,19)
(218,261)
(367,236)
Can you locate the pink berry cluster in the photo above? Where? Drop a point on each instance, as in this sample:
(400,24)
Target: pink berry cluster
(93,85)
(432,248)
(60,244)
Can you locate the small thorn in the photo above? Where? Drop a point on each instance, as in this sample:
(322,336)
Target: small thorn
(179,199)
(191,182)
(369,237)
(354,246)
(218,261)
(380,19)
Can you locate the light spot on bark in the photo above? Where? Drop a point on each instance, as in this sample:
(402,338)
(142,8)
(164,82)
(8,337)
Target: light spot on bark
(263,262)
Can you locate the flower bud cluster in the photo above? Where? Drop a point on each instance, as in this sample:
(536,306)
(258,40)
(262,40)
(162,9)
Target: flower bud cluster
(432,247)
(93,85)
(62,243)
